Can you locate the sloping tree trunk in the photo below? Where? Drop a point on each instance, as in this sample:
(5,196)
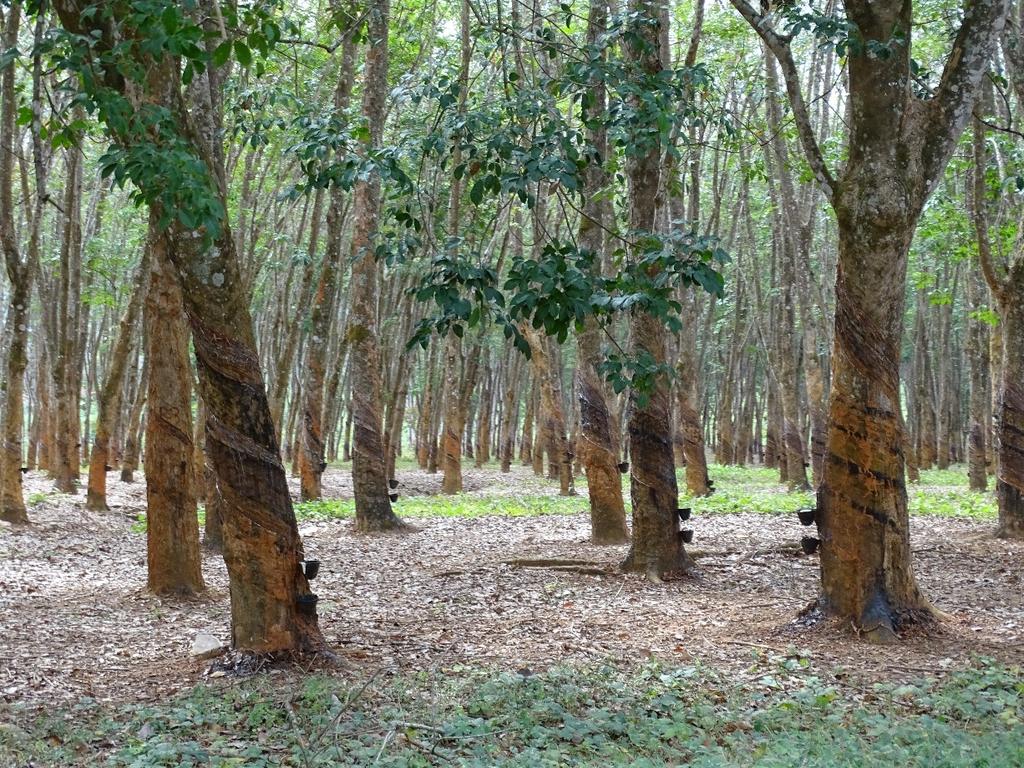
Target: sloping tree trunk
(657,547)
(110,395)
(172,526)
(898,149)
(262,547)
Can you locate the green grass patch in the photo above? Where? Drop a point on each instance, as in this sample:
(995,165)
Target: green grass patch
(460,505)
(783,715)
(952,502)
(941,493)
(35,499)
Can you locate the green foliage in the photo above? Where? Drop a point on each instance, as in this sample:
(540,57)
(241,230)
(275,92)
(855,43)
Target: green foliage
(952,502)
(510,145)
(111,49)
(560,290)
(781,713)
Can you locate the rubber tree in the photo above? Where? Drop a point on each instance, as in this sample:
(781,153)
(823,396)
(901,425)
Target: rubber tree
(657,548)
(20,271)
(112,389)
(1006,282)
(369,470)
(262,547)
(898,146)
(174,563)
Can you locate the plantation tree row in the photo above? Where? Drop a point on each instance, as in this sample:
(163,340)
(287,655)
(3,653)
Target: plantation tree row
(245,239)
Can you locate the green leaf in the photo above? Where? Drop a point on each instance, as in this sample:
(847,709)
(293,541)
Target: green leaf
(221,54)
(243,53)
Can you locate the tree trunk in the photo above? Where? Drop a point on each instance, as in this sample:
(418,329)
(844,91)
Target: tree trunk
(529,417)
(424,433)
(1010,414)
(65,467)
(110,395)
(130,460)
(898,149)
(1008,290)
(172,527)
(509,410)
(262,548)
(21,273)
(454,416)
(322,312)
(977,354)
(546,372)
(369,473)
(865,553)
(688,420)
(657,546)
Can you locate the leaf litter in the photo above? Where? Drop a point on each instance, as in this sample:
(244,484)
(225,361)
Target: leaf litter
(513,593)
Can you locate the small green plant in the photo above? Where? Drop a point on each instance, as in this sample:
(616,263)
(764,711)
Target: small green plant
(783,712)
(35,499)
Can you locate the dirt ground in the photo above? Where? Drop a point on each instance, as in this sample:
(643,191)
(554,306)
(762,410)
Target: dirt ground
(75,619)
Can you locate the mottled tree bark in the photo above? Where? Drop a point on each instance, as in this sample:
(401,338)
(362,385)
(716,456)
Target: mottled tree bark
(529,417)
(483,428)
(657,547)
(369,473)
(1007,285)
(454,416)
(559,456)
(20,271)
(262,547)
(65,465)
(688,420)
(597,443)
(130,458)
(898,149)
(977,356)
(172,527)
(509,412)
(424,433)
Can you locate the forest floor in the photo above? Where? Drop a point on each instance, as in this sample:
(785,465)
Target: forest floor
(461,595)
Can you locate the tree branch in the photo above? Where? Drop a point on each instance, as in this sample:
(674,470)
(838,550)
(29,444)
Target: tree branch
(780,48)
(953,104)
(980,217)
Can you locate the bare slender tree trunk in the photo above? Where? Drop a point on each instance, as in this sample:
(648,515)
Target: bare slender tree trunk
(977,353)
(110,396)
(312,443)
